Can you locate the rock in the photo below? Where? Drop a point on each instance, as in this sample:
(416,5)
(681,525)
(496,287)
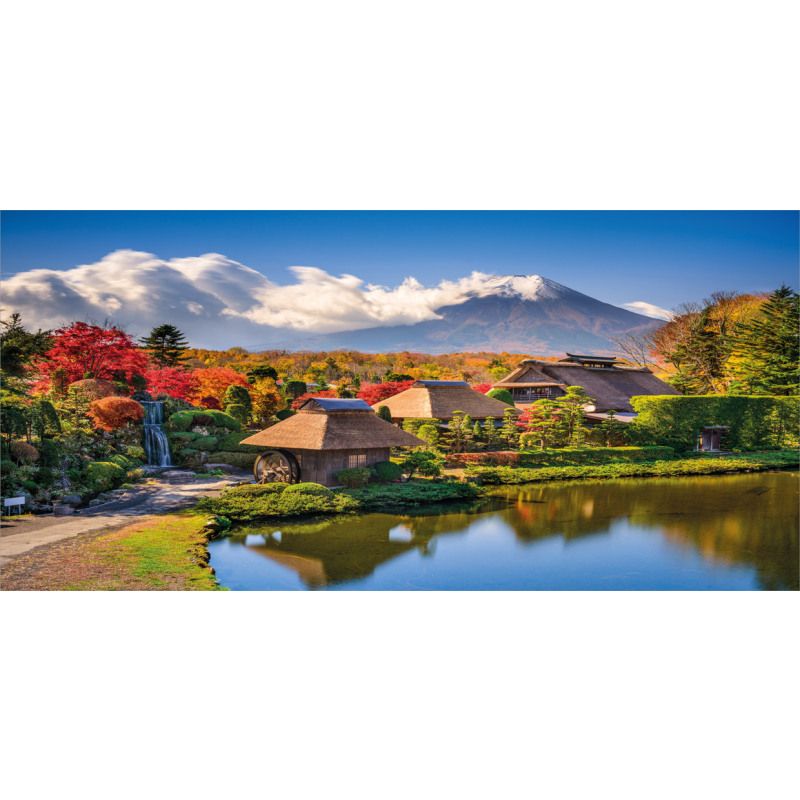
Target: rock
(178,475)
(96,502)
(63,511)
(139,396)
(223,467)
(71,499)
(212,524)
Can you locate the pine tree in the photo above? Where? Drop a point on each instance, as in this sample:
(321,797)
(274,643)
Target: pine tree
(572,405)
(460,431)
(510,430)
(166,344)
(765,349)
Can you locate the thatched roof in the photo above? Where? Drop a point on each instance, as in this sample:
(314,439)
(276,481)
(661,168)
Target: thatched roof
(612,387)
(331,424)
(439,399)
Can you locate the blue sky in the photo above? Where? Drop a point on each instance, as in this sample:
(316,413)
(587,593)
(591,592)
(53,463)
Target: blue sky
(663,258)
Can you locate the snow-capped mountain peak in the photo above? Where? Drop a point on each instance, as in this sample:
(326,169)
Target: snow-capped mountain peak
(525,287)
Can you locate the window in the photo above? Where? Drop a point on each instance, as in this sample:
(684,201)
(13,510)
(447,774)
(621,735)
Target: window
(357,460)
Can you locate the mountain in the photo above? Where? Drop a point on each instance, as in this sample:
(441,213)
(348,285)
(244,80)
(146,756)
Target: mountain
(512,313)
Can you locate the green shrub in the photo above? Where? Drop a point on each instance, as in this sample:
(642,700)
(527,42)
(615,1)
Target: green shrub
(49,453)
(387,471)
(309,488)
(240,460)
(238,412)
(376,498)
(120,461)
(429,434)
(223,420)
(7,466)
(236,395)
(285,413)
(232,443)
(281,504)
(44,476)
(30,486)
(182,438)
(207,443)
(421,462)
(136,453)
(180,422)
(256,489)
(503,395)
(413,424)
(384,413)
(354,477)
(102,475)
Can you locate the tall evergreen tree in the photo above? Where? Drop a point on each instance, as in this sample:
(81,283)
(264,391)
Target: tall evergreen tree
(18,347)
(166,344)
(766,352)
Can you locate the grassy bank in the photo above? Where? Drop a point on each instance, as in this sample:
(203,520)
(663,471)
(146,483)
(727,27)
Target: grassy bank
(753,462)
(269,501)
(163,554)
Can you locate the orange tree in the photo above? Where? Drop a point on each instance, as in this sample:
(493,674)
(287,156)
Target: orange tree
(212,383)
(111,413)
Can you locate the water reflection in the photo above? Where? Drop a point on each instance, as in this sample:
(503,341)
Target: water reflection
(737,531)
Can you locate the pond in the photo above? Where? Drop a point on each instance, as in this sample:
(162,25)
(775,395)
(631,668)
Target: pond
(733,532)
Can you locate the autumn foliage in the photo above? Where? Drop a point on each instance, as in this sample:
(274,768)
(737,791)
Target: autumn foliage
(174,381)
(94,389)
(81,349)
(111,413)
(303,397)
(482,387)
(211,385)
(373,393)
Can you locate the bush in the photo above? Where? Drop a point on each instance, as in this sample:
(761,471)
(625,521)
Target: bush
(237,395)
(256,489)
(49,453)
(281,504)
(354,477)
(120,461)
(238,412)
(207,443)
(232,443)
(240,460)
(309,488)
(183,438)
(7,466)
(295,389)
(387,471)
(421,462)
(180,422)
(135,452)
(384,413)
(29,486)
(23,453)
(376,498)
(100,476)
(285,413)
(112,413)
(429,434)
(503,395)
(44,476)
(413,424)
(222,420)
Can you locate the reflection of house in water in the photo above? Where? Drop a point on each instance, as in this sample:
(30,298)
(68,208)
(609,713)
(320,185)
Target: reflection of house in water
(349,549)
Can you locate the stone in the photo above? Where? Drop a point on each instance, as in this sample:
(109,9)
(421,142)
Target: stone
(63,511)
(96,502)
(71,499)
(177,475)
(223,467)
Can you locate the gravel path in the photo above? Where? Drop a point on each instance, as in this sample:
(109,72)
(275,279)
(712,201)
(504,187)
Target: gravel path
(22,536)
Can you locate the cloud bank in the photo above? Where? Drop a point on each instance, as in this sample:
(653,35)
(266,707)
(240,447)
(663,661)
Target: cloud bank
(648,310)
(219,303)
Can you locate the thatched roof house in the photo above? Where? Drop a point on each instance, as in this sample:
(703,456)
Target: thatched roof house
(605,379)
(439,399)
(326,436)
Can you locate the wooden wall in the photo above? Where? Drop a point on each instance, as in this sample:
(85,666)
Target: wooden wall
(321,466)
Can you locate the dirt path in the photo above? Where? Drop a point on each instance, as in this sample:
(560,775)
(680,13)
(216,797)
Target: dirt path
(30,534)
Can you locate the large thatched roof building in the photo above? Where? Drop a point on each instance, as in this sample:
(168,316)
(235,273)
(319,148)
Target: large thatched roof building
(326,436)
(439,400)
(605,379)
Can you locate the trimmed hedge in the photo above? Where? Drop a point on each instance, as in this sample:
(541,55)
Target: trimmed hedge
(232,443)
(207,443)
(309,488)
(354,477)
(256,489)
(181,438)
(182,421)
(503,395)
(387,471)
(413,424)
(223,420)
(240,460)
(755,420)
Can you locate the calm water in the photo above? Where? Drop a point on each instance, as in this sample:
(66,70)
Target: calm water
(727,532)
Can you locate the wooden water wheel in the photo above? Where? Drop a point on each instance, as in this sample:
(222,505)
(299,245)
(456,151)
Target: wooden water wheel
(276,466)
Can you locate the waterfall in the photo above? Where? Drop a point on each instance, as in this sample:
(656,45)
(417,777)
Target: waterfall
(156,444)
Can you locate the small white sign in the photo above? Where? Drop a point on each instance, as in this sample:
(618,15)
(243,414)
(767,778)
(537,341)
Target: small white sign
(14,502)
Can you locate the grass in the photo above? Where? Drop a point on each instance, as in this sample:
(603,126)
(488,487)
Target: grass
(753,462)
(163,554)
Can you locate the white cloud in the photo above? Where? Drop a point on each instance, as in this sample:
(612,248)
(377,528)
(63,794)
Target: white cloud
(648,309)
(219,303)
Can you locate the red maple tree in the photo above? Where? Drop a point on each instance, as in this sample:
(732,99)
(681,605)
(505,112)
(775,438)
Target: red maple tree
(174,381)
(212,383)
(482,387)
(83,350)
(303,397)
(373,393)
